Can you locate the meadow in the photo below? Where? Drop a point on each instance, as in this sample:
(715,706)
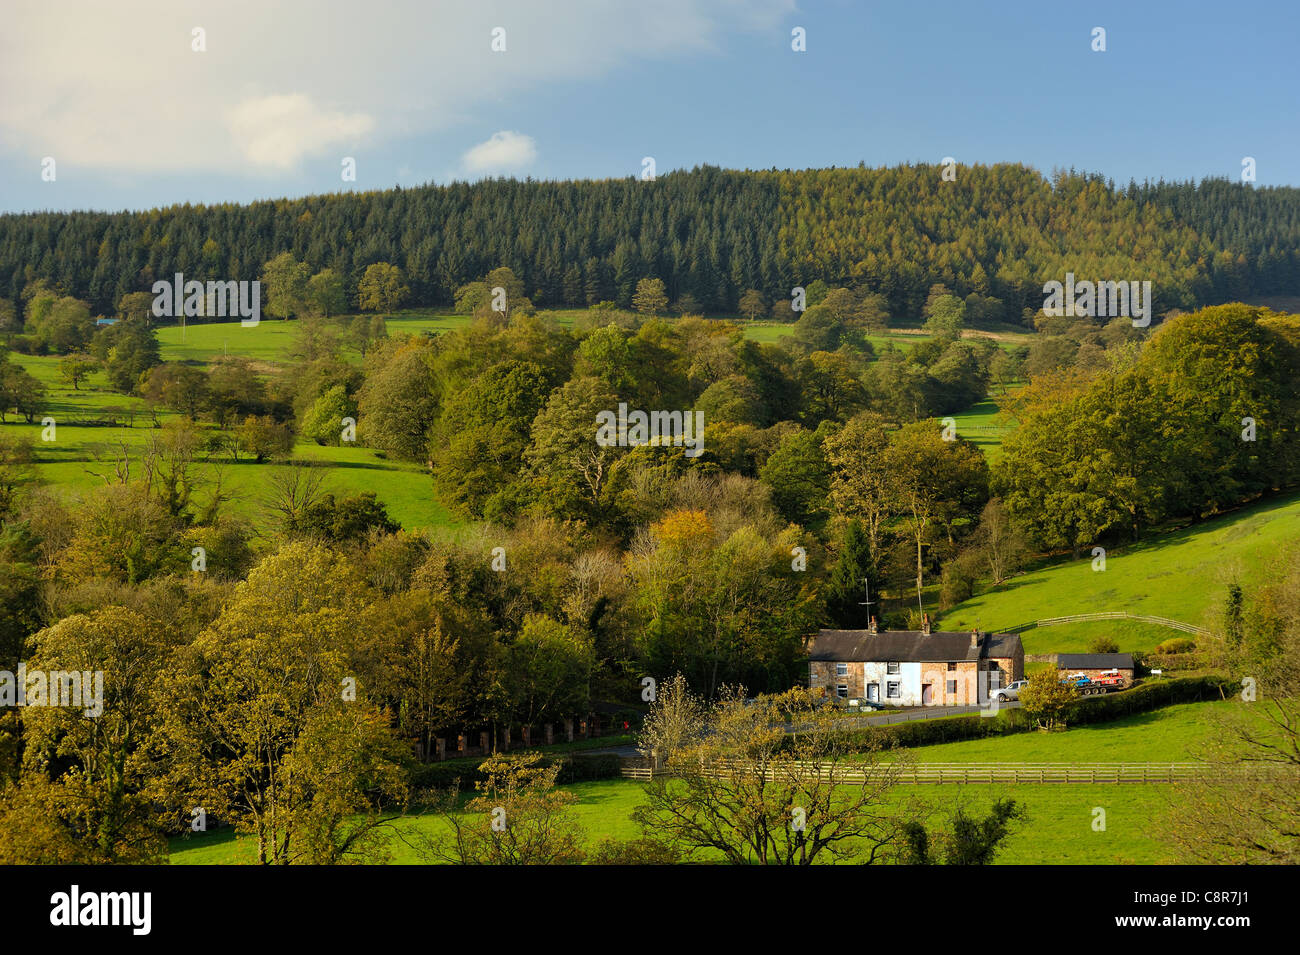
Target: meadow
(84,453)
(1181,574)
(1058,829)
(95,424)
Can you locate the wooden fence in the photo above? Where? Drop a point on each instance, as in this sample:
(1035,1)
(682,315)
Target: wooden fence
(1011,773)
(1111,615)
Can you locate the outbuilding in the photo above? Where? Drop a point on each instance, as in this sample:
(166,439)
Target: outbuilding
(1095,665)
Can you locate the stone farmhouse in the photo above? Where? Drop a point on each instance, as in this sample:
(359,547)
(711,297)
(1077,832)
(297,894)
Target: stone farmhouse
(914,667)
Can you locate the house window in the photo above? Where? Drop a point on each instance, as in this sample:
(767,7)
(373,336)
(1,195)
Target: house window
(891,668)
(952,667)
(842,691)
(841,669)
(891,689)
(952,687)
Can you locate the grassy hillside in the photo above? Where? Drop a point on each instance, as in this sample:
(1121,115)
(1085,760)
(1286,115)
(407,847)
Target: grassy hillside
(1172,734)
(1182,574)
(979,424)
(82,457)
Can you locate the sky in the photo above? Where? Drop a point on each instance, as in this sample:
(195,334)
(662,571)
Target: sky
(115,106)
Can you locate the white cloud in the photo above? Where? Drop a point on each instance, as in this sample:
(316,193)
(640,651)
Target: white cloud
(279,131)
(504,152)
(117,85)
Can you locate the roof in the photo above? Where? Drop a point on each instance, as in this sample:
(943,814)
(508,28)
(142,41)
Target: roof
(863,646)
(1095,661)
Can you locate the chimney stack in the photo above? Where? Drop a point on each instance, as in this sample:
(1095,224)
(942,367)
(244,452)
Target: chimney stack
(975,639)
(871,628)
(925,624)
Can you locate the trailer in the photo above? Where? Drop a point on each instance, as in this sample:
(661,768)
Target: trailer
(1104,682)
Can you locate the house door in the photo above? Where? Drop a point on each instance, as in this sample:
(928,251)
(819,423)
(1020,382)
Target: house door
(873,692)
(926,694)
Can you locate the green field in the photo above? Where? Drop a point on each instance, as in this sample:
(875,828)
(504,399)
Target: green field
(272,340)
(82,457)
(1058,829)
(979,425)
(1172,734)
(1182,575)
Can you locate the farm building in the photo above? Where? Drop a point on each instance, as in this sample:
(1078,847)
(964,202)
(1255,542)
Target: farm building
(1093,665)
(914,667)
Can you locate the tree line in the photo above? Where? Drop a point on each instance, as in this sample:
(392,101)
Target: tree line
(710,235)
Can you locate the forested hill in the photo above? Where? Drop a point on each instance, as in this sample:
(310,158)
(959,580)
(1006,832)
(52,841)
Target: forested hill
(996,231)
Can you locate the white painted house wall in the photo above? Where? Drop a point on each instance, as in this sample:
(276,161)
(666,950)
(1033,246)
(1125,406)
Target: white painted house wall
(908,678)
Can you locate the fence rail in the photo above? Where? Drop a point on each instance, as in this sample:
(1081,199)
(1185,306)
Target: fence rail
(1112,615)
(1044,773)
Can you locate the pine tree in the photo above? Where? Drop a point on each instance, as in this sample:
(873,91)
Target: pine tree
(844,592)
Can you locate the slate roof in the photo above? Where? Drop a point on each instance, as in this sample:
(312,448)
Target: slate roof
(1095,661)
(908,646)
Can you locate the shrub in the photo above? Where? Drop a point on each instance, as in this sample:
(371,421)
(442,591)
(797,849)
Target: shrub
(1173,662)
(634,852)
(574,768)
(1148,696)
(582,767)
(1095,709)
(1104,645)
(1176,645)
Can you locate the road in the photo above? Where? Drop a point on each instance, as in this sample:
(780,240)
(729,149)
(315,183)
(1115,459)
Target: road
(925,713)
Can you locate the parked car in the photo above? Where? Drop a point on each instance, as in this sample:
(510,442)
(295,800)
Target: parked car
(861,703)
(1009,692)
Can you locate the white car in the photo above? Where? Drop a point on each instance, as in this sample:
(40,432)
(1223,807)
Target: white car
(1009,692)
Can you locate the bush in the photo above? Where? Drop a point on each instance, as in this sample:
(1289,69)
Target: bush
(956,584)
(584,767)
(634,852)
(1173,662)
(1148,696)
(574,768)
(1176,645)
(1103,645)
(947,730)
(444,776)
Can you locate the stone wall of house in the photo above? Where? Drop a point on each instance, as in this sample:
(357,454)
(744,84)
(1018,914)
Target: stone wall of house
(822,673)
(1013,668)
(966,673)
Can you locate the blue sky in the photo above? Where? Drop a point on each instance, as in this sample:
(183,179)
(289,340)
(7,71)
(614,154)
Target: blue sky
(135,117)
